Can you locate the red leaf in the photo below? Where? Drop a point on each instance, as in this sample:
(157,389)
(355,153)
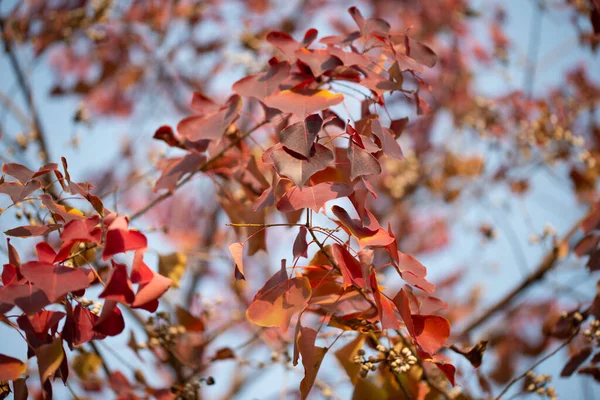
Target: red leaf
(319,61)
(189,321)
(173,169)
(10,368)
(387,317)
(303,102)
(300,136)
(402,303)
(278,300)
(431,331)
(313,197)
(79,326)
(28,298)
(166,134)
(365,236)
(350,268)
(148,293)
(312,357)
(10,274)
(140,272)
(362,162)
(211,126)
(300,246)
(17,191)
(299,170)
(55,281)
(122,240)
(32,230)
(82,231)
(575,361)
(284,43)
(24,174)
(264,84)
(111,321)
(118,287)
(449,370)
(45,252)
(389,145)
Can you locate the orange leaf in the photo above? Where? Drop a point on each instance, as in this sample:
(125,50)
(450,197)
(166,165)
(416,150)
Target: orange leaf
(278,300)
(431,331)
(11,368)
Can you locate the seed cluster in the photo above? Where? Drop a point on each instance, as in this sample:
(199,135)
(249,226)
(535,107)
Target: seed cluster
(402,175)
(94,306)
(399,359)
(161,332)
(539,384)
(189,391)
(593,332)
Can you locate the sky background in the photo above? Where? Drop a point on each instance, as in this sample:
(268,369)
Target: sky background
(548,202)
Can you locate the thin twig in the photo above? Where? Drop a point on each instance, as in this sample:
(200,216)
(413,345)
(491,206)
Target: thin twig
(535,364)
(168,194)
(27,93)
(547,263)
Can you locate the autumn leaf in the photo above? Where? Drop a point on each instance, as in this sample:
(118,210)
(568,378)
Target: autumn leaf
(118,286)
(366,236)
(49,358)
(299,169)
(211,126)
(300,245)
(284,43)
(430,331)
(237,252)
(313,197)
(32,230)
(11,368)
(312,357)
(350,268)
(278,300)
(575,361)
(300,136)
(362,162)
(346,354)
(55,281)
(122,240)
(263,84)
(303,102)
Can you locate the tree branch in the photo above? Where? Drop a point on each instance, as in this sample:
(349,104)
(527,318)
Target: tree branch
(547,263)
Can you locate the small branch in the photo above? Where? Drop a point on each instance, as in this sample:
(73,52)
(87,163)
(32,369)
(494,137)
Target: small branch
(535,364)
(220,154)
(104,364)
(27,93)
(328,230)
(547,263)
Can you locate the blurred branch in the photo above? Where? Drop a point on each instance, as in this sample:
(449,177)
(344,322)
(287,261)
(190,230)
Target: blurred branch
(27,93)
(15,110)
(220,154)
(547,263)
(535,364)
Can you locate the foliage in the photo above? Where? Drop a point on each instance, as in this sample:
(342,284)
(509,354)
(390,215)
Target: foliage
(331,139)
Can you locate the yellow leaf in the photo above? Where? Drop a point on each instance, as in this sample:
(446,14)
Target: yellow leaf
(86,364)
(172,266)
(49,357)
